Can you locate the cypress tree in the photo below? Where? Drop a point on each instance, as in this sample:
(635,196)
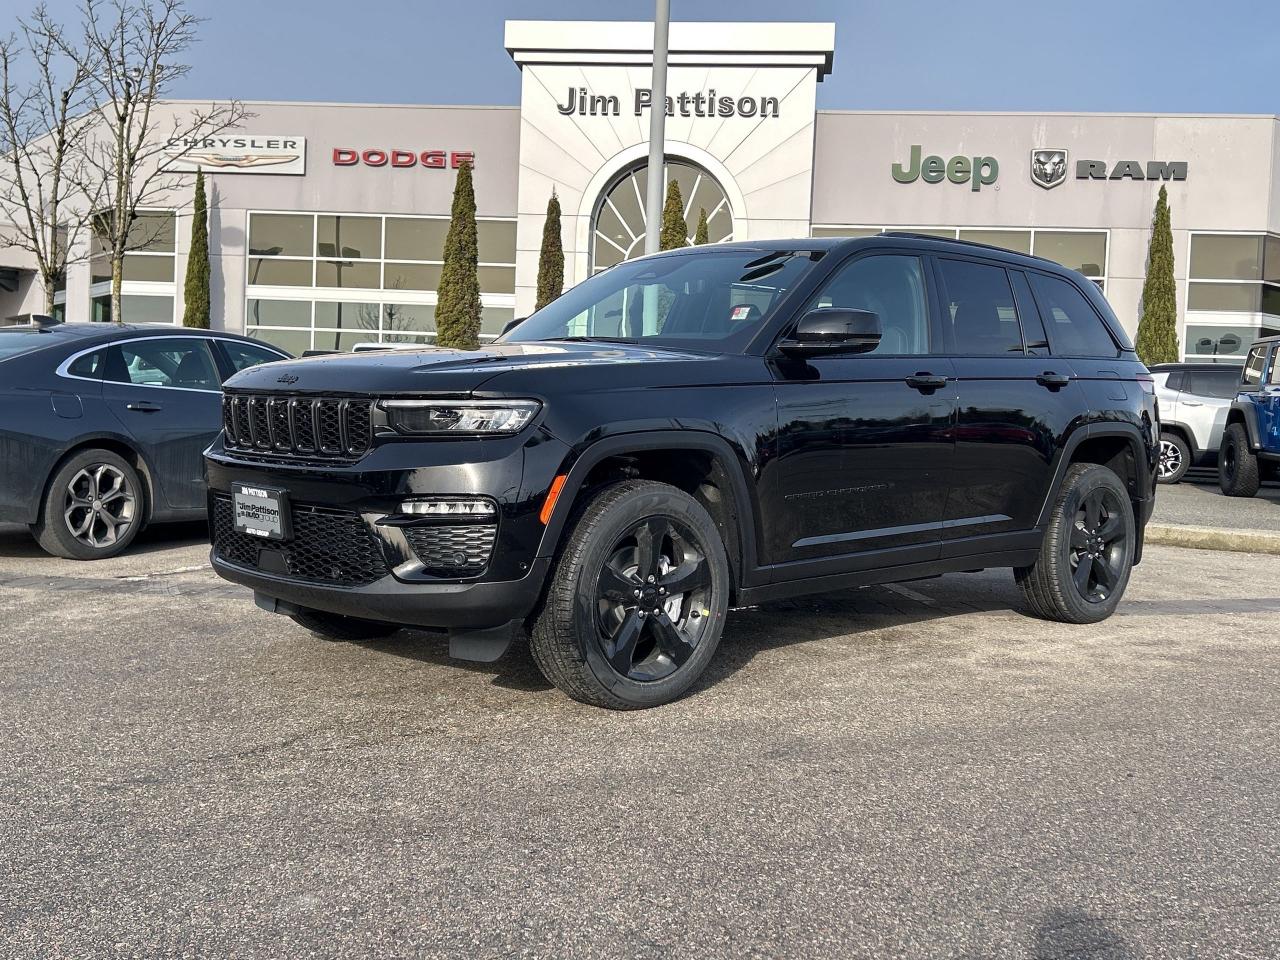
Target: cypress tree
(195,291)
(1158,327)
(458,297)
(701,236)
(675,232)
(551,259)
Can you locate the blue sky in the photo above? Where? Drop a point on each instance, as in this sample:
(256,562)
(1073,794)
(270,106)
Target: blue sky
(1042,55)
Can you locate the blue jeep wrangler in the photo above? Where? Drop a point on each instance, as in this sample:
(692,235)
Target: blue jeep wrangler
(1251,441)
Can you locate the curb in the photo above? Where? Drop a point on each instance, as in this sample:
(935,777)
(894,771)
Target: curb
(1214,538)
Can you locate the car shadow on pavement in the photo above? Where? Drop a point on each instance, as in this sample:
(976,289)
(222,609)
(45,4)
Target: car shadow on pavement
(17,542)
(1075,933)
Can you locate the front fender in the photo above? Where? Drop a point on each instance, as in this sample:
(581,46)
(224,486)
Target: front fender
(1246,413)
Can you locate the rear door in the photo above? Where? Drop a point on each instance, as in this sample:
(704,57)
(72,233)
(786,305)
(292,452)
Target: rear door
(1016,401)
(166,392)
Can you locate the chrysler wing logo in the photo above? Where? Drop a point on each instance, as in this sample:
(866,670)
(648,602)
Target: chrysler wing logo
(214,158)
(287,378)
(1048,167)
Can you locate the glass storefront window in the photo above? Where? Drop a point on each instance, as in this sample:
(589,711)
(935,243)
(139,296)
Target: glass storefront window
(278,313)
(1271,259)
(295,341)
(1018,241)
(1078,250)
(497,241)
(279,273)
(134,308)
(408,318)
(844,231)
(349,238)
(1204,340)
(418,238)
(1238,297)
(147,268)
(411,276)
(348,274)
(347,316)
(281,234)
(1225,256)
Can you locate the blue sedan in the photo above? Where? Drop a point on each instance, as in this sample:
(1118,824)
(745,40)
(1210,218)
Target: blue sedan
(103,426)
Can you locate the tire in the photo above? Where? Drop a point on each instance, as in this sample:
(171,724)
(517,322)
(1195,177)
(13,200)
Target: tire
(1092,522)
(93,507)
(608,635)
(1237,463)
(332,626)
(1175,458)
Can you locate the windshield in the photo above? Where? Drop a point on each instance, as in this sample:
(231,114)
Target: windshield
(13,343)
(713,300)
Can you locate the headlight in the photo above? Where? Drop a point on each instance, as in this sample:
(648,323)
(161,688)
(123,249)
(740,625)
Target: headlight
(460,416)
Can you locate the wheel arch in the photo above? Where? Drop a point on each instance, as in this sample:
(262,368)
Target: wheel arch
(119,446)
(1246,414)
(704,465)
(1184,433)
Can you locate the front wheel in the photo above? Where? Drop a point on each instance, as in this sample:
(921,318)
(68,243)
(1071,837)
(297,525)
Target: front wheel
(1175,458)
(93,507)
(1237,463)
(1087,553)
(637,600)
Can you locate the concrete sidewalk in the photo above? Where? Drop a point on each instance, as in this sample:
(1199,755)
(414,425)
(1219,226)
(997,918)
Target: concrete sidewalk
(1194,513)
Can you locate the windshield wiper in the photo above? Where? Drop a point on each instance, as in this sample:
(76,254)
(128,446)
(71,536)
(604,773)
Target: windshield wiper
(588,339)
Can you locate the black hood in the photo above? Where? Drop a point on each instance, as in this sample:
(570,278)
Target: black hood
(440,370)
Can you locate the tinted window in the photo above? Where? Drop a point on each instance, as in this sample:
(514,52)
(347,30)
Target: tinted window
(245,355)
(984,319)
(891,287)
(166,362)
(1213,383)
(89,366)
(1252,375)
(1074,327)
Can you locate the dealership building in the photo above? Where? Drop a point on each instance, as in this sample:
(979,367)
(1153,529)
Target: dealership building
(328,220)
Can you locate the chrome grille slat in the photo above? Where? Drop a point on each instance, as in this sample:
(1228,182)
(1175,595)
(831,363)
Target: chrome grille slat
(318,428)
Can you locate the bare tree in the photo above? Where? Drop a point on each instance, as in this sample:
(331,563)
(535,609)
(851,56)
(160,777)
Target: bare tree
(43,122)
(133,52)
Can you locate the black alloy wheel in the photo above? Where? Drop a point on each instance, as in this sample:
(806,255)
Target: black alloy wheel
(1099,545)
(652,599)
(636,601)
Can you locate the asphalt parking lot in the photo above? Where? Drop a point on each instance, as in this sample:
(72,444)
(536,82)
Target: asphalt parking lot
(913,771)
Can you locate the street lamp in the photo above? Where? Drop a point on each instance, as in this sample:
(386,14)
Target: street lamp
(657,128)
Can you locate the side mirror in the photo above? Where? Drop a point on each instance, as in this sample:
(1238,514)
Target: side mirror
(833,330)
(512,324)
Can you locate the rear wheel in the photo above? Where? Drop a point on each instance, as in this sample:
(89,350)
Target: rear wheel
(93,507)
(1237,463)
(332,626)
(1087,553)
(1175,458)
(637,599)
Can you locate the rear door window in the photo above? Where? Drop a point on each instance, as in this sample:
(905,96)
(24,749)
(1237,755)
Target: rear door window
(176,362)
(1074,327)
(242,356)
(978,301)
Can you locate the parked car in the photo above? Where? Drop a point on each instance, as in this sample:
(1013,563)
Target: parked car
(704,428)
(1194,400)
(103,427)
(1250,449)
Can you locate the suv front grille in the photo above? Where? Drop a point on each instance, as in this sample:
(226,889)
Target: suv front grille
(328,546)
(311,427)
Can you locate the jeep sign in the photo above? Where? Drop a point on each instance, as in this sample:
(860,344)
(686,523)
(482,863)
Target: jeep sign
(976,171)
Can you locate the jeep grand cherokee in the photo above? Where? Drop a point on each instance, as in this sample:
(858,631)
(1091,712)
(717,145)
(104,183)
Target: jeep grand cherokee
(693,431)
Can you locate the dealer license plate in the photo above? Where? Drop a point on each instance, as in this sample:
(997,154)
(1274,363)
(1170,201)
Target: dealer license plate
(261,511)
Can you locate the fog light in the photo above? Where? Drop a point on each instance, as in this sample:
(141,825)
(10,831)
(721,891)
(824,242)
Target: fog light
(474,507)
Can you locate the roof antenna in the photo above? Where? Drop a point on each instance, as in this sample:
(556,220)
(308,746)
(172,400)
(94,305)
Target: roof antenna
(43,321)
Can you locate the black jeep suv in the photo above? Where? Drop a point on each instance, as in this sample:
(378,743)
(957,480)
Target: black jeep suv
(692,431)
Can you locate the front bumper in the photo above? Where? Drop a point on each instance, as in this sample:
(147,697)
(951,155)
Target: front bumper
(512,472)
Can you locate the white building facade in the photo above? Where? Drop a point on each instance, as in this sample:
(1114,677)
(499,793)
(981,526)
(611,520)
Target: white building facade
(327,221)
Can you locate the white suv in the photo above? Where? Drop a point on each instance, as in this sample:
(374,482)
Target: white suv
(1194,399)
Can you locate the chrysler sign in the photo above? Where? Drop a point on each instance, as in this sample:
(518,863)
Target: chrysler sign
(243,153)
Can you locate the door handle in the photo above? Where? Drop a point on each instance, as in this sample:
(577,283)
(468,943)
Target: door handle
(1191,403)
(1054,381)
(926,382)
(143,406)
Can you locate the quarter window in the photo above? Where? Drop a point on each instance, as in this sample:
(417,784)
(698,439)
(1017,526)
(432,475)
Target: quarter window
(980,305)
(89,366)
(1221,384)
(892,287)
(1074,327)
(166,362)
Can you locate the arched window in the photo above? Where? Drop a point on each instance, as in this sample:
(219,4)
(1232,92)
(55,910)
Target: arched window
(617,231)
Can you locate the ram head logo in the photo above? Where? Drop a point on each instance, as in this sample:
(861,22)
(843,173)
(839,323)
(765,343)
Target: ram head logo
(1048,167)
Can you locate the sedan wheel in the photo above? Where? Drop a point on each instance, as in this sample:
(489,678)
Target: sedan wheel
(100,505)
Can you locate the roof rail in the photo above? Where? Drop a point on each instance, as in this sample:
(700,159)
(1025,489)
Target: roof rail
(907,234)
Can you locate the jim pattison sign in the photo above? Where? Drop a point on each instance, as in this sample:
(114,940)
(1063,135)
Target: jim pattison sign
(240,153)
(581,102)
